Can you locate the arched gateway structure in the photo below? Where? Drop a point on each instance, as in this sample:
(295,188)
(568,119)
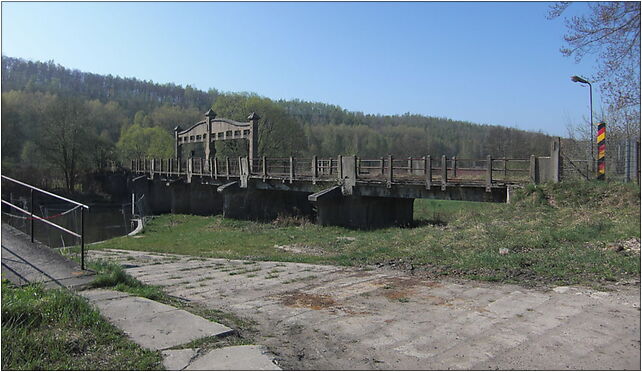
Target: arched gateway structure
(198,140)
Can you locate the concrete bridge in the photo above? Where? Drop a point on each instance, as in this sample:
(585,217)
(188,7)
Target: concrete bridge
(344,191)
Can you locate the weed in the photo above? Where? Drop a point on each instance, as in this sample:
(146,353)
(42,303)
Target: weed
(113,275)
(53,329)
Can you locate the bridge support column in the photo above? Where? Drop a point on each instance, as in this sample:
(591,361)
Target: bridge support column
(262,205)
(361,212)
(194,198)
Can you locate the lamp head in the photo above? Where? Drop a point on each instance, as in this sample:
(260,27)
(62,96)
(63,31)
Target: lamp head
(578,79)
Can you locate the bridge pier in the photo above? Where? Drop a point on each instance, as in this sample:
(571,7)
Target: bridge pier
(178,197)
(263,205)
(361,212)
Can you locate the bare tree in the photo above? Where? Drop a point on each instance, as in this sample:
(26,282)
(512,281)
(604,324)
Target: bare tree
(611,32)
(63,139)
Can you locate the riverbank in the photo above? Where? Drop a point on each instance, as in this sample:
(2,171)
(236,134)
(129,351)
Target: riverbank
(568,233)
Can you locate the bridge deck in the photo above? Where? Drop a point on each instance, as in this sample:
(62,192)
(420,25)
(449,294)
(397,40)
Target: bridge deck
(473,173)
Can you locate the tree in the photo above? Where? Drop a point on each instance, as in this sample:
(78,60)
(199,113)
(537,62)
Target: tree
(611,32)
(64,136)
(137,142)
(279,134)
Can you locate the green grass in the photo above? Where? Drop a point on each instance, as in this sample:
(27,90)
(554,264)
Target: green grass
(113,276)
(554,233)
(53,329)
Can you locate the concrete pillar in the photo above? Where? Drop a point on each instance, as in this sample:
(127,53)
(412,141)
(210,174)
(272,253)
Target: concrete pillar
(263,205)
(253,152)
(556,161)
(349,168)
(359,212)
(177,147)
(454,166)
(390,175)
(489,172)
(207,140)
(444,172)
(428,171)
(533,170)
(179,197)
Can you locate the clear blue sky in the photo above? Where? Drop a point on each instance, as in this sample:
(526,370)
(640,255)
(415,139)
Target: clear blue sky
(492,63)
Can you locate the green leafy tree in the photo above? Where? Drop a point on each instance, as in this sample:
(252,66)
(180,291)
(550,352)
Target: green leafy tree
(279,134)
(138,142)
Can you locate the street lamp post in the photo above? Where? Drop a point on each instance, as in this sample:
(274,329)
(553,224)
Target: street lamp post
(578,79)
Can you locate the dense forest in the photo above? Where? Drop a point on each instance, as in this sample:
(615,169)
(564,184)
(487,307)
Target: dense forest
(66,122)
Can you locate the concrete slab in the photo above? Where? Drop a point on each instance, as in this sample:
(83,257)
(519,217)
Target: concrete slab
(235,358)
(24,262)
(176,360)
(331,318)
(103,294)
(151,324)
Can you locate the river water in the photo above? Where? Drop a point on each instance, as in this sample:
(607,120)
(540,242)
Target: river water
(102,221)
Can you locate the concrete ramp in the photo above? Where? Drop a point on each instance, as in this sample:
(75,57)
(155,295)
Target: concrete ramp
(24,262)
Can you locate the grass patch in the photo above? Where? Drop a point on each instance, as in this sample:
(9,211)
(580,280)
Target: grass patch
(553,234)
(53,329)
(113,276)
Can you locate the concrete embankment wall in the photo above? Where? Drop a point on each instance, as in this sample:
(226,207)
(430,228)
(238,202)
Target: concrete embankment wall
(266,205)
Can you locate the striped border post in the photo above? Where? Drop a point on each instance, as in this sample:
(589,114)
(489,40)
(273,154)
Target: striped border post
(601,151)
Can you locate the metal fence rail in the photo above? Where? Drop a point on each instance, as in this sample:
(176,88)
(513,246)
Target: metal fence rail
(32,217)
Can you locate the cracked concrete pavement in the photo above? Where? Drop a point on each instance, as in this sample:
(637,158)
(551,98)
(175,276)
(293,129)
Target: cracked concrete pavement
(327,317)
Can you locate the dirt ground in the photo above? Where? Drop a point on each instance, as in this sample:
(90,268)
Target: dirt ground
(325,317)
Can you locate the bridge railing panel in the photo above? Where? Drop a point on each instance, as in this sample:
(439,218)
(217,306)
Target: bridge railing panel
(302,167)
(467,170)
(507,170)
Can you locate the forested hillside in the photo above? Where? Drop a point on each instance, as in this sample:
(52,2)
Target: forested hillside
(75,121)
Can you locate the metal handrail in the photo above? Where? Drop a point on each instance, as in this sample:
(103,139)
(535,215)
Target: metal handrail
(42,219)
(35,217)
(45,192)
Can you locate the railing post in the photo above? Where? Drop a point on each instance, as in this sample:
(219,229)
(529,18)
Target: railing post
(82,238)
(383,166)
(409,165)
(489,172)
(390,175)
(444,172)
(505,168)
(240,165)
(340,167)
(31,210)
(227,167)
(454,165)
(291,169)
(215,168)
(264,167)
(200,160)
(428,171)
(532,171)
(315,169)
